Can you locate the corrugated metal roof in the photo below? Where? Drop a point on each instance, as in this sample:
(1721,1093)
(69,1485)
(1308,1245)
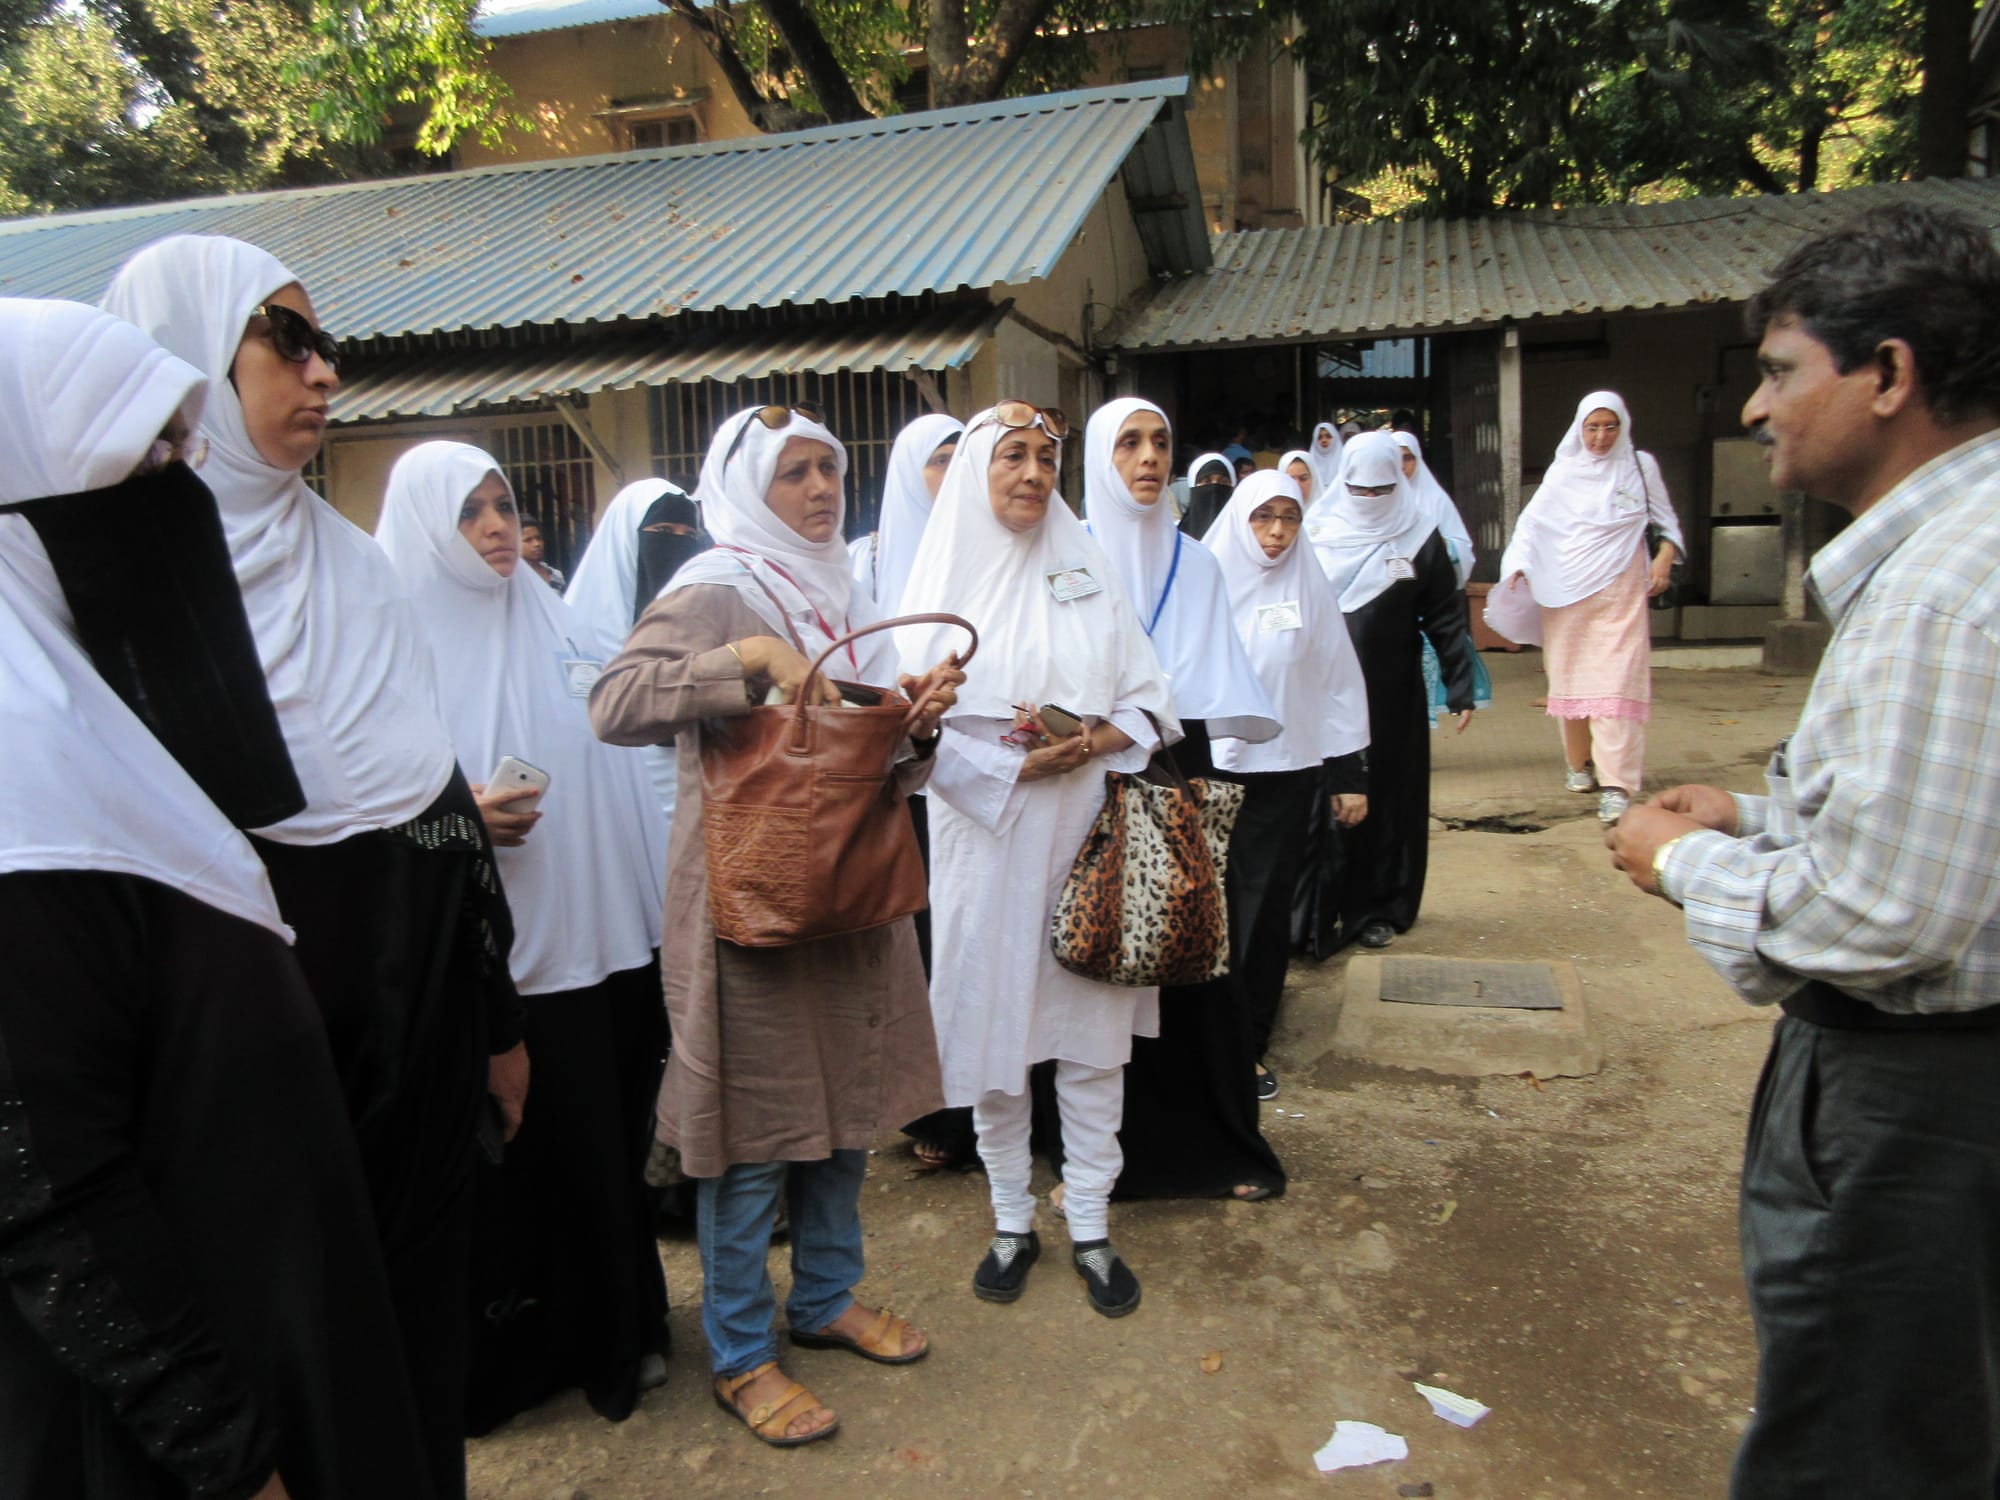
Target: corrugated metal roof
(1413,275)
(875,209)
(498,18)
(439,387)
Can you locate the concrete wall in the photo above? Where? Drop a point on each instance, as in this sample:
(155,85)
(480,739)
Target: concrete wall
(565,79)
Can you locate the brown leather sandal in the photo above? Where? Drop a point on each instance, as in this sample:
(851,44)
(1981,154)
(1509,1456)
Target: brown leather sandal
(883,1342)
(769,1419)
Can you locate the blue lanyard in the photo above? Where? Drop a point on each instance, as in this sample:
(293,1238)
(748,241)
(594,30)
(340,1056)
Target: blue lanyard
(1172,571)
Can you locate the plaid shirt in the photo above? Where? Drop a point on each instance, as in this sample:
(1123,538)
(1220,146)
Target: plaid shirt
(1874,862)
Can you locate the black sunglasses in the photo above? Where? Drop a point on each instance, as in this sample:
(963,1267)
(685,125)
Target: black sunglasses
(777,419)
(296,339)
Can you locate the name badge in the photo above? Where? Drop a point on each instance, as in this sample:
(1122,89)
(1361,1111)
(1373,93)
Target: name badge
(1073,583)
(580,675)
(1626,504)
(1272,618)
(1401,568)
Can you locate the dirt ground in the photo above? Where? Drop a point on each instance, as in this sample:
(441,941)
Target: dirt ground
(1565,1253)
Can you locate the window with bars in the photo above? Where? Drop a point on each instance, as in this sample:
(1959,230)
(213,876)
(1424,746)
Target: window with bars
(554,481)
(314,473)
(865,408)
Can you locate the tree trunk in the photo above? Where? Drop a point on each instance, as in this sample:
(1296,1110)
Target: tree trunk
(962,74)
(722,48)
(809,49)
(1941,108)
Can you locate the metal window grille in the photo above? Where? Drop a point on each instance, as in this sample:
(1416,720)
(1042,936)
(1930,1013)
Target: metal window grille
(554,481)
(314,473)
(865,408)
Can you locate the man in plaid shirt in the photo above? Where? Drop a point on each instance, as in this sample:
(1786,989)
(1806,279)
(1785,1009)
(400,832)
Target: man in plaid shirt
(1862,894)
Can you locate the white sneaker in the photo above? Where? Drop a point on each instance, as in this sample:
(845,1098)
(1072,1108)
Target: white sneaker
(1579,781)
(1611,805)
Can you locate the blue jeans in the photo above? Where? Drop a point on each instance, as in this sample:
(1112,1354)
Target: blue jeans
(733,1221)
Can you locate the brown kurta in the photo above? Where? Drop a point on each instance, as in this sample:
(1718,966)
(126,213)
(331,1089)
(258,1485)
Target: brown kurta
(779,1054)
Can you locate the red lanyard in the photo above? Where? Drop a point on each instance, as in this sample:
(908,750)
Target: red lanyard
(825,629)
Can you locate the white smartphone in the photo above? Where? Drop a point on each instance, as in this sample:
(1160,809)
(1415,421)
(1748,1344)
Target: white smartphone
(511,775)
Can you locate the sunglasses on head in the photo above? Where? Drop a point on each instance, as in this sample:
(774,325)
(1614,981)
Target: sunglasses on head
(776,419)
(1014,415)
(294,337)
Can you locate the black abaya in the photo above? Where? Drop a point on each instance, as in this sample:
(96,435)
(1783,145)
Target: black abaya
(403,935)
(948,1130)
(568,1289)
(1377,868)
(1190,1128)
(197,1292)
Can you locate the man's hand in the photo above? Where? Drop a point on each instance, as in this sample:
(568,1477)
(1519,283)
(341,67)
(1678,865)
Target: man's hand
(1348,808)
(1709,806)
(1637,836)
(507,1081)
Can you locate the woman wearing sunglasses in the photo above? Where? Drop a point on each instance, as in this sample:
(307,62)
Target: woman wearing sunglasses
(386,874)
(786,1060)
(1390,567)
(1011,801)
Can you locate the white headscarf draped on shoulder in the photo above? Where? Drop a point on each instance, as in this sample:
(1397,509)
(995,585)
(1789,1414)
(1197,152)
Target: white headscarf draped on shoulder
(1360,537)
(83,396)
(358,707)
(1588,517)
(1444,515)
(906,506)
(755,552)
(586,889)
(1324,464)
(1175,586)
(1089,654)
(1288,617)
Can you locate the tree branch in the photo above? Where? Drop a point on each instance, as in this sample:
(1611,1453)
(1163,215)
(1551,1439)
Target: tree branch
(809,49)
(765,113)
(982,71)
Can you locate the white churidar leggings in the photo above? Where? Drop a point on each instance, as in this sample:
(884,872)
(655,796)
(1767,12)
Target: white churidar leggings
(1091,1102)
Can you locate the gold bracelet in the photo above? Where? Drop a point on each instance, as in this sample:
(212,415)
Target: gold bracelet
(730,647)
(1660,865)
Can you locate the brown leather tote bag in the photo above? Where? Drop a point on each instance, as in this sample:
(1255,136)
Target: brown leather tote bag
(803,824)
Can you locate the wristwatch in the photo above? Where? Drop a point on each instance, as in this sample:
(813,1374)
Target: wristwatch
(1660,866)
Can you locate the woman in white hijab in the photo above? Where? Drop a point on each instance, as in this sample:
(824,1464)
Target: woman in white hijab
(1389,568)
(1576,580)
(194,1300)
(917,462)
(1323,454)
(1296,465)
(515,665)
(1289,621)
(786,1061)
(647,526)
(1011,803)
(386,873)
(1437,505)
(1190,1119)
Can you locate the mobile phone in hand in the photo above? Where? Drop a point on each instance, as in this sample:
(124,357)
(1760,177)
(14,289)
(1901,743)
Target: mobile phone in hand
(511,775)
(1060,722)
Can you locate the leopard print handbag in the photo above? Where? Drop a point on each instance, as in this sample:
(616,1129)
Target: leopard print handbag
(1143,904)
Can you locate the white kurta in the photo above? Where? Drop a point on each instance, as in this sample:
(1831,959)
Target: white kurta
(1000,852)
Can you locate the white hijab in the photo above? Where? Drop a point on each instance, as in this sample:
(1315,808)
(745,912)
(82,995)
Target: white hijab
(1088,655)
(906,504)
(355,698)
(814,581)
(87,787)
(1288,617)
(1299,455)
(1588,517)
(1325,466)
(1175,587)
(1444,515)
(1361,539)
(600,590)
(587,888)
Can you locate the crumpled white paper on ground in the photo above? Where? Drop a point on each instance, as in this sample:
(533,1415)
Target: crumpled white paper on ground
(1355,1445)
(1462,1411)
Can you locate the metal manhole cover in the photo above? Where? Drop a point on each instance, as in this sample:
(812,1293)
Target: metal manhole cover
(1460,981)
